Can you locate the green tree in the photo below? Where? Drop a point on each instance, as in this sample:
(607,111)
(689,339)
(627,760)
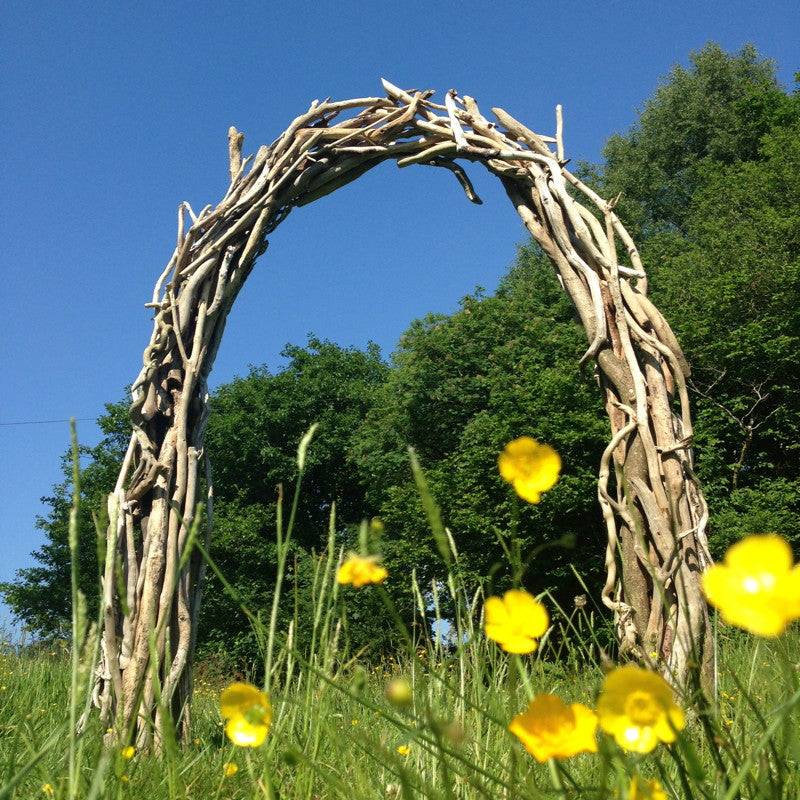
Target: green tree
(39,597)
(254,427)
(731,285)
(714,112)
(462,386)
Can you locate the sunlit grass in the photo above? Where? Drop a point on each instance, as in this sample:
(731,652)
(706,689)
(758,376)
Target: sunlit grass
(429,721)
(331,742)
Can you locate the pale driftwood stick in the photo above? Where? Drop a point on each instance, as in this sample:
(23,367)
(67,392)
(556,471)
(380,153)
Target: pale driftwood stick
(560,133)
(520,132)
(458,131)
(462,178)
(235,141)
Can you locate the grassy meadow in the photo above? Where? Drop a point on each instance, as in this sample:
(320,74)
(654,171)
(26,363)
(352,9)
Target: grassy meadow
(430,721)
(335,733)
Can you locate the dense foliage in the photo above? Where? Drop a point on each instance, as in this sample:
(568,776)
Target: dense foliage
(708,177)
(710,173)
(254,427)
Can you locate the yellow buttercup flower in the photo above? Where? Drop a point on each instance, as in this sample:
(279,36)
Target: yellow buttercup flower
(247,712)
(229,769)
(361,570)
(637,708)
(128,752)
(404,749)
(47,789)
(551,729)
(515,621)
(642,789)
(530,467)
(757,587)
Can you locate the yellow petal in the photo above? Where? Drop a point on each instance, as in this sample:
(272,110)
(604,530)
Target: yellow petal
(546,467)
(238,698)
(345,573)
(585,727)
(377,574)
(526,611)
(768,620)
(642,789)
(790,590)
(495,611)
(719,583)
(244,733)
(507,467)
(527,491)
(768,553)
(515,454)
(677,718)
(518,645)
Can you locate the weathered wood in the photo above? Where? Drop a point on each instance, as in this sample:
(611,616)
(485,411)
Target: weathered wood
(652,505)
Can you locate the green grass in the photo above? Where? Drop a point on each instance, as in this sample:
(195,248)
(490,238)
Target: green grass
(335,734)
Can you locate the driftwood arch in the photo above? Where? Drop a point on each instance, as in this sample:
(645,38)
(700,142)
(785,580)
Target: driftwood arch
(655,512)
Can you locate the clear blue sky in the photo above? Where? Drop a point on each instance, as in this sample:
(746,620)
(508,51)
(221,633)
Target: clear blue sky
(111,114)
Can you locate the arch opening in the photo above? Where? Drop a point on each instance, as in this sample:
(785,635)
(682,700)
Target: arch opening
(655,516)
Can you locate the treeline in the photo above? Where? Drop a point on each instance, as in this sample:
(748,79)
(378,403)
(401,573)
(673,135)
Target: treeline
(708,178)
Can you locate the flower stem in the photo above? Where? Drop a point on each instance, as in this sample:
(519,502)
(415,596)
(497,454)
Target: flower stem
(555,777)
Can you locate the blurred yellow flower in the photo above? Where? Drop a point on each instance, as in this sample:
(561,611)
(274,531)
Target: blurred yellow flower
(361,570)
(247,712)
(637,708)
(399,692)
(551,729)
(643,789)
(404,749)
(515,621)
(530,467)
(128,752)
(757,587)
(47,789)
(229,769)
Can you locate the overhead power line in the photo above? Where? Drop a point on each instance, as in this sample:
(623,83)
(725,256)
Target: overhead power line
(45,421)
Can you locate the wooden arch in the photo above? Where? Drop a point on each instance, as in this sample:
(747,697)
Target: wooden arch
(654,510)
